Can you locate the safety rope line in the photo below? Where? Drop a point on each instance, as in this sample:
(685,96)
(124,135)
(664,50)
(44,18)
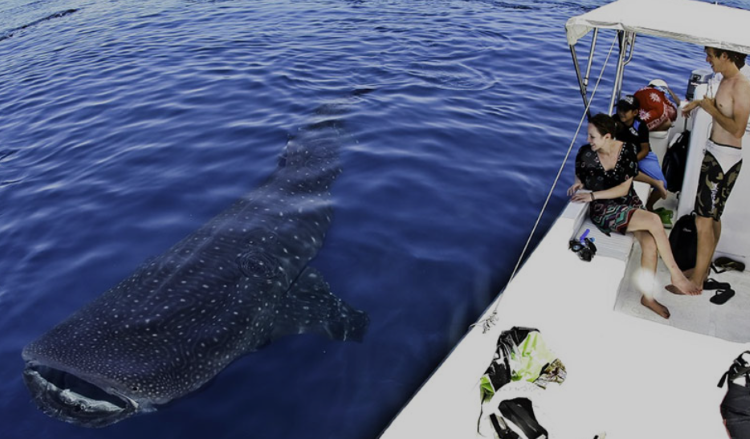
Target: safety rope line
(491,320)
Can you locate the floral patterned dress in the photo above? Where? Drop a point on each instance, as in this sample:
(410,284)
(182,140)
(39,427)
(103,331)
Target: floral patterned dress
(614,214)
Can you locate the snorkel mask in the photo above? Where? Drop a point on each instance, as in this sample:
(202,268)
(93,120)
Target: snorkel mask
(583,247)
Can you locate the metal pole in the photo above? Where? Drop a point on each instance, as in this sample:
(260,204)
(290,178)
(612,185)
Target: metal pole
(591,56)
(583,81)
(628,43)
(618,75)
(632,48)
(581,84)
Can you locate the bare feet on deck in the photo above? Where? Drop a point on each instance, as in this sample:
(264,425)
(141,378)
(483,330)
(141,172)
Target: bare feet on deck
(684,286)
(655,306)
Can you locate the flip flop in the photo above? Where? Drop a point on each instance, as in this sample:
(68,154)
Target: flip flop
(713,284)
(723,264)
(721,296)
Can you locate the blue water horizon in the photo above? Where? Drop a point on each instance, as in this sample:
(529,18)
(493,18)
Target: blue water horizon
(125,125)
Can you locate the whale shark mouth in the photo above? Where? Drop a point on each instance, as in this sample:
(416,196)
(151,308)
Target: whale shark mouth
(68,397)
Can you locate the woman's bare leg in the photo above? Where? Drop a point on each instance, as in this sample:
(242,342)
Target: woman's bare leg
(645,279)
(651,223)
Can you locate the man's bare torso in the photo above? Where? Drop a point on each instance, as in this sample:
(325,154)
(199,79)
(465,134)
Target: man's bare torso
(725,96)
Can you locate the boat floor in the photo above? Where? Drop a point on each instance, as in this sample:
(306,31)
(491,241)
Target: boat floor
(728,321)
(630,377)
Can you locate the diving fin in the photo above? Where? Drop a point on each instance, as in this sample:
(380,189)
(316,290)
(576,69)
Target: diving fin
(520,412)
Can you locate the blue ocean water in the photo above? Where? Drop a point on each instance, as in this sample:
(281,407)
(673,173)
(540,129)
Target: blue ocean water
(126,124)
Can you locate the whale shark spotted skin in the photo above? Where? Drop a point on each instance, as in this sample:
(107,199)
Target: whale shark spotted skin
(236,284)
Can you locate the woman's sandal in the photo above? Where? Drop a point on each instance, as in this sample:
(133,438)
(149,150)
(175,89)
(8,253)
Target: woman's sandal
(720,297)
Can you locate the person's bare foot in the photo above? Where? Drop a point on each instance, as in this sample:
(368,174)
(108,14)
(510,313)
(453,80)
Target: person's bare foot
(674,290)
(655,306)
(684,286)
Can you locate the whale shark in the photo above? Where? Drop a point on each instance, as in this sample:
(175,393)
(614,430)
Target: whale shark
(239,282)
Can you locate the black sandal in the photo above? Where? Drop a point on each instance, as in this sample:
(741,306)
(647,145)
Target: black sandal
(713,284)
(723,264)
(720,297)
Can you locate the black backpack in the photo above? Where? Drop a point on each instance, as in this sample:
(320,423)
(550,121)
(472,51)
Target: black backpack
(735,408)
(684,241)
(673,165)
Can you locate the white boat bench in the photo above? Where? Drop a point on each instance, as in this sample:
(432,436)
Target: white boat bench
(614,246)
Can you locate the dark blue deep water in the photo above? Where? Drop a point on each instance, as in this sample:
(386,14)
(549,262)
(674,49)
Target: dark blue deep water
(126,124)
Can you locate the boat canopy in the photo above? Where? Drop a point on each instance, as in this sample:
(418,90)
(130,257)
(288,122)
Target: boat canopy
(683,20)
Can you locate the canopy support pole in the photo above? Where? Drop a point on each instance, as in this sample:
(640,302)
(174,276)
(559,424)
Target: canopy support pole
(591,55)
(627,40)
(583,81)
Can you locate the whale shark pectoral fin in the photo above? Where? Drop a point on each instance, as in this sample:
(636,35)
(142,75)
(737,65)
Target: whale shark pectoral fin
(310,306)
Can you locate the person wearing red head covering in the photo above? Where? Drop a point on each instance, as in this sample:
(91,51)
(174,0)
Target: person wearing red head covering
(657,111)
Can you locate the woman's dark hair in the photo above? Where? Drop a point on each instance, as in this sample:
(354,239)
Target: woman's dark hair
(604,124)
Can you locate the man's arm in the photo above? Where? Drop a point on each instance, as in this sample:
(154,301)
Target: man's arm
(690,107)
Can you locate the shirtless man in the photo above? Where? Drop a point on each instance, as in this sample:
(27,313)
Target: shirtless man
(721,165)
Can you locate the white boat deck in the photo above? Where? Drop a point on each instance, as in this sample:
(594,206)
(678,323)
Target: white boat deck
(628,377)
(692,313)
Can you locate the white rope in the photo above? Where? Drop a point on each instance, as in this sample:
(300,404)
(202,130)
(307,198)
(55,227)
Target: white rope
(491,320)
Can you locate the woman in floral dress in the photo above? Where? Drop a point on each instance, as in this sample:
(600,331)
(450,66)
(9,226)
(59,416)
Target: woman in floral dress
(606,168)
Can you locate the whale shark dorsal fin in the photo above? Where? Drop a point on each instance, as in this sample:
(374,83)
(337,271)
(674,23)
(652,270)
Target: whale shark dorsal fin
(310,306)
